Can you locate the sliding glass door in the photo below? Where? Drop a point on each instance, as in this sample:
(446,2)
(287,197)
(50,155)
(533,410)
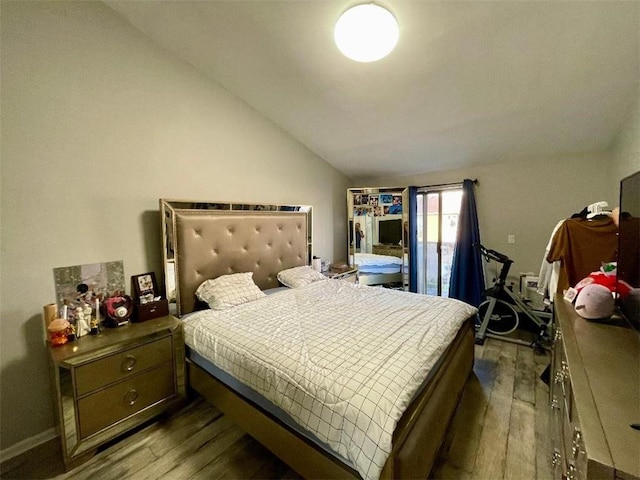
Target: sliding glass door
(437,225)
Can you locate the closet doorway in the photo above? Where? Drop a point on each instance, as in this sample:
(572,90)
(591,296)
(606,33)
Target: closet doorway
(438,209)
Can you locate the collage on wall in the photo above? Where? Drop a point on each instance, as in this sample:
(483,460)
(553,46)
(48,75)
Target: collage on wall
(377,204)
(79,286)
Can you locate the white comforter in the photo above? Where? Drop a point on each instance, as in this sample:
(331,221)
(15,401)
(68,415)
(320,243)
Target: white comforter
(343,360)
(366,259)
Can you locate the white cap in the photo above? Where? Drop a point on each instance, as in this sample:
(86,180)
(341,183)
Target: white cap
(595,302)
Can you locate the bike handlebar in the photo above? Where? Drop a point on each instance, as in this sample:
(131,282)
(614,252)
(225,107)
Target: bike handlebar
(492,254)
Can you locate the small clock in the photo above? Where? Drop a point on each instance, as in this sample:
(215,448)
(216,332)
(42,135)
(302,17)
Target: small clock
(117,310)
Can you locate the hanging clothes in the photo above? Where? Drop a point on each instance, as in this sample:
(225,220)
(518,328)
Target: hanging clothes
(549,272)
(594,209)
(582,246)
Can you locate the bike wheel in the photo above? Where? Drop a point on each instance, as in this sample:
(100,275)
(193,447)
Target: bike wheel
(504,319)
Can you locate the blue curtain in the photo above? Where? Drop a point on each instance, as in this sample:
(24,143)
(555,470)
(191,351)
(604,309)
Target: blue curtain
(467,277)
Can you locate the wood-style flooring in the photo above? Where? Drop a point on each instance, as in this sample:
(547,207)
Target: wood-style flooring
(499,431)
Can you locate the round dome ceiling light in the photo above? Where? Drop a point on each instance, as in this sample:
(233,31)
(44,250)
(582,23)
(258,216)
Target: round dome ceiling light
(366,32)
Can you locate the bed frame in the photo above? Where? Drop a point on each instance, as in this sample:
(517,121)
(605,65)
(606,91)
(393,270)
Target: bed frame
(379,278)
(211,243)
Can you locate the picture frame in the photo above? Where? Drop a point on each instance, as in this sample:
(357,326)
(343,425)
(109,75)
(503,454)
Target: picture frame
(144,287)
(386,198)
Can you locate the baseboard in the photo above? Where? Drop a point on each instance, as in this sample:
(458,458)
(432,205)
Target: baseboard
(27,444)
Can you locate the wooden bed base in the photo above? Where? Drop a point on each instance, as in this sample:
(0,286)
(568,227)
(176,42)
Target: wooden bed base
(416,440)
(379,278)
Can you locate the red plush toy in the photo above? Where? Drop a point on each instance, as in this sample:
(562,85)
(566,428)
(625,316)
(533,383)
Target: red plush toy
(606,280)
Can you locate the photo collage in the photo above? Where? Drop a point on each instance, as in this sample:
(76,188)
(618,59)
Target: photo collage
(377,204)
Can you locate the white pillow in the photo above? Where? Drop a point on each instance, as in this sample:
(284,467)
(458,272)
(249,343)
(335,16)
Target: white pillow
(227,291)
(299,276)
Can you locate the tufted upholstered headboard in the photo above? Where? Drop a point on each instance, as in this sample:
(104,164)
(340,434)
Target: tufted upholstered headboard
(210,243)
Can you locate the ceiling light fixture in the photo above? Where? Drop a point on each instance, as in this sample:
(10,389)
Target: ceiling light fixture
(366,32)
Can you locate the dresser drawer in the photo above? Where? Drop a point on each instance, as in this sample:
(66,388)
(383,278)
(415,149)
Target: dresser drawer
(126,363)
(106,407)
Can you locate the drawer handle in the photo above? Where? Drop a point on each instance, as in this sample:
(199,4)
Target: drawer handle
(563,373)
(559,377)
(575,451)
(130,397)
(577,436)
(129,363)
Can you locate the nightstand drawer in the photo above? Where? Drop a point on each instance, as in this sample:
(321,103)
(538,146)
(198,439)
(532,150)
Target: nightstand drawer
(121,365)
(108,406)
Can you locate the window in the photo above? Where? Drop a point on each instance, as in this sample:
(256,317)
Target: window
(437,227)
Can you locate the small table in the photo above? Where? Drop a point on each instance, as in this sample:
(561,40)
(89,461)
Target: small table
(106,384)
(349,274)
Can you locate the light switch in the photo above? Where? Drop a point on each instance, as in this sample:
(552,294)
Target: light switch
(511,239)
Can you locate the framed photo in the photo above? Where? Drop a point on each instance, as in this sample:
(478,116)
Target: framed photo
(396,206)
(144,287)
(386,198)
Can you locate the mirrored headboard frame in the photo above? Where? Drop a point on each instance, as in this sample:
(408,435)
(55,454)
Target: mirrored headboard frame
(174,214)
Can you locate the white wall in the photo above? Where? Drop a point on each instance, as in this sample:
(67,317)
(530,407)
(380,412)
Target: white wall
(626,147)
(97,125)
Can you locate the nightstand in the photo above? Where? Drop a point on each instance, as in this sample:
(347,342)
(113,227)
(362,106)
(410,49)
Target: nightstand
(106,384)
(349,274)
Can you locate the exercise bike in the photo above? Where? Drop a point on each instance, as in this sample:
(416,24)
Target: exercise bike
(499,313)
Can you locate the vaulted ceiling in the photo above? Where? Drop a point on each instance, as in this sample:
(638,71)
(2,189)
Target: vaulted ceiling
(469,83)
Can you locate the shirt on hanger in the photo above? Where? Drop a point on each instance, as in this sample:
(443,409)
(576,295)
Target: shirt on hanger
(549,272)
(582,246)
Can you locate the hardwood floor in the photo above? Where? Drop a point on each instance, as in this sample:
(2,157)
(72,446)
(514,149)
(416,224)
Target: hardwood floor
(501,427)
(499,431)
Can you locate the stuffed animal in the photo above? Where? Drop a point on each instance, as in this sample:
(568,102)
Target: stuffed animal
(609,280)
(595,301)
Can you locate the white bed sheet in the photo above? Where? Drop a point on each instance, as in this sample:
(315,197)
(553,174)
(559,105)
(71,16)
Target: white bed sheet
(343,360)
(367,259)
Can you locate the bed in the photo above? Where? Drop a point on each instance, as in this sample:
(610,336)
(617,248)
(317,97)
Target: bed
(209,244)
(376,269)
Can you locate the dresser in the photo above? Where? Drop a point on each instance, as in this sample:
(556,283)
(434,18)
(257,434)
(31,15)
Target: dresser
(595,396)
(106,384)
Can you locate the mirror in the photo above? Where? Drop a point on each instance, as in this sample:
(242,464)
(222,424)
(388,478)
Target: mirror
(378,234)
(167,212)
